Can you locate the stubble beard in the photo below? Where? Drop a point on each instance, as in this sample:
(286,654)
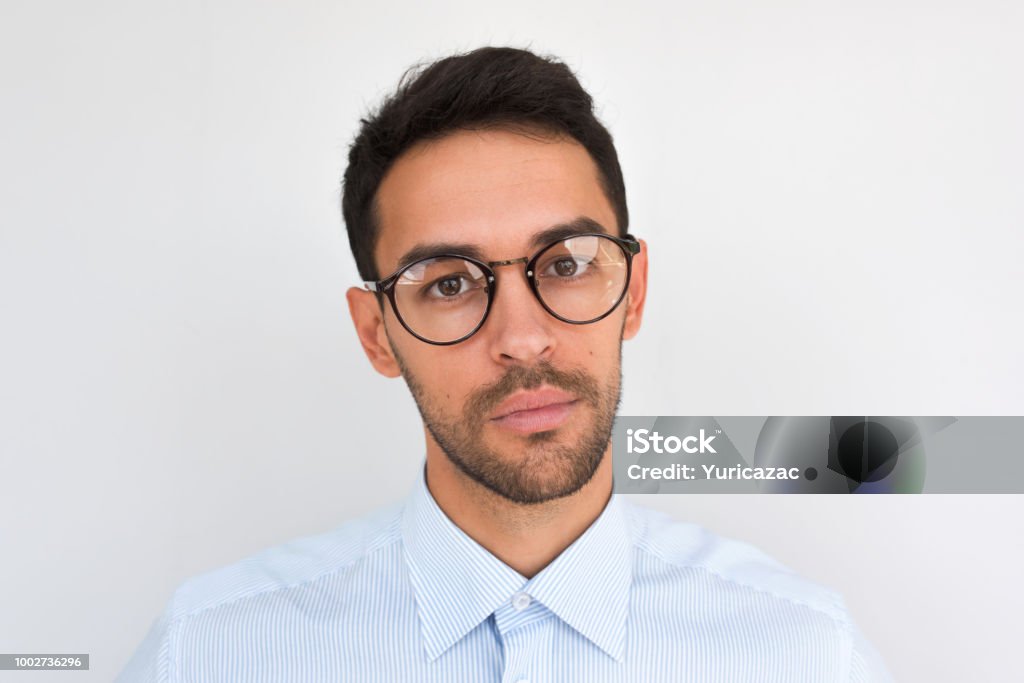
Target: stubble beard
(547,470)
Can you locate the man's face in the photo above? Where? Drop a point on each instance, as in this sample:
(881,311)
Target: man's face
(525,405)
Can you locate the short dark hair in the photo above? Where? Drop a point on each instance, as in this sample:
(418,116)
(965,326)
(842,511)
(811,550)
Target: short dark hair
(488,87)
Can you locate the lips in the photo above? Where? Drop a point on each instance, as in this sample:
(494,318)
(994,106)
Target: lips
(532,400)
(533,411)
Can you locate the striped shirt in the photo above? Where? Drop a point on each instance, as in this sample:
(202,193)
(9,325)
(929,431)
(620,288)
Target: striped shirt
(405,595)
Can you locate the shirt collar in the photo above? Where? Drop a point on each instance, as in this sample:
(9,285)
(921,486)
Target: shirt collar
(458,583)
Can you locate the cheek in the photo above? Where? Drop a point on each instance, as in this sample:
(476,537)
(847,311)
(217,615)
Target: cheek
(595,345)
(442,374)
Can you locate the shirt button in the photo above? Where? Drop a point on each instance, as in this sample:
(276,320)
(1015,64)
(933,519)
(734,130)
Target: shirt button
(521,601)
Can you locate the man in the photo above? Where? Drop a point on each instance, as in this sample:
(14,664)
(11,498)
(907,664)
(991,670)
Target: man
(486,212)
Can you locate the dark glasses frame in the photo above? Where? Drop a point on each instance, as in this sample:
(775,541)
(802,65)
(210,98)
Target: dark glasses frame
(629,245)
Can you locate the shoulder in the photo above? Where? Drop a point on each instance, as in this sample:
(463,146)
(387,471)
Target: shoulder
(669,547)
(215,614)
(298,562)
(731,601)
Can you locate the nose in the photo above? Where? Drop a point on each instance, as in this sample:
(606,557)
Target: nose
(520,329)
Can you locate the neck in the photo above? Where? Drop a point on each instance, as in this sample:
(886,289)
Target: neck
(526,537)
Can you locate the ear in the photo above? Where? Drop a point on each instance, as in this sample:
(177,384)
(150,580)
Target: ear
(637,294)
(368,318)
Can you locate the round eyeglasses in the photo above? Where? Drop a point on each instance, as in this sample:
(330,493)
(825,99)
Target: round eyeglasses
(445,299)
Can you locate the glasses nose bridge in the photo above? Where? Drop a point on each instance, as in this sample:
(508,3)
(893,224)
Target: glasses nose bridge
(513,262)
(510,262)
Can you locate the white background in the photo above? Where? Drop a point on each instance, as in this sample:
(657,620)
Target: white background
(831,193)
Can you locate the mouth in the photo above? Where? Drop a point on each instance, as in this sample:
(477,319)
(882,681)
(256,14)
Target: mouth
(526,412)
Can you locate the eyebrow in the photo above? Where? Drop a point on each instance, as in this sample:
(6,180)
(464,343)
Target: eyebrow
(539,239)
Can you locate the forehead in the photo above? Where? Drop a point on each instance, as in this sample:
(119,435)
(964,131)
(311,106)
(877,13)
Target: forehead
(491,188)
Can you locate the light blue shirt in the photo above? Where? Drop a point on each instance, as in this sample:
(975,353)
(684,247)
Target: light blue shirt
(405,595)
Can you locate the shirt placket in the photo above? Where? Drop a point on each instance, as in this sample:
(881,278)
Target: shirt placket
(522,623)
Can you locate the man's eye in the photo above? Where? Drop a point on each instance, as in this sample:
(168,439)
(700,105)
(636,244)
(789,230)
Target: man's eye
(566,267)
(448,287)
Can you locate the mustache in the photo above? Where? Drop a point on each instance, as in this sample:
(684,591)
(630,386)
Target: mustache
(483,401)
